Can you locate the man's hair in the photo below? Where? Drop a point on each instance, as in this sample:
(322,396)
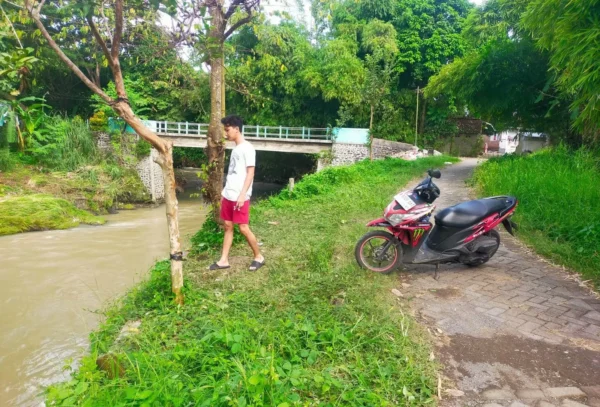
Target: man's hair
(233,121)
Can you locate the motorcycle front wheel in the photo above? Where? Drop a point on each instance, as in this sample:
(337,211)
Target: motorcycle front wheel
(378,251)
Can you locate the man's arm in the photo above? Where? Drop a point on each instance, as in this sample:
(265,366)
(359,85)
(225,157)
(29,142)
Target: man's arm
(247,183)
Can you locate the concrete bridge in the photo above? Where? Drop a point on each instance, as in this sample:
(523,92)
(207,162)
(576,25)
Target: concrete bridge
(263,138)
(345,145)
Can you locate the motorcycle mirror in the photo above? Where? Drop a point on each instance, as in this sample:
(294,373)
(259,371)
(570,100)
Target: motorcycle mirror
(434,173)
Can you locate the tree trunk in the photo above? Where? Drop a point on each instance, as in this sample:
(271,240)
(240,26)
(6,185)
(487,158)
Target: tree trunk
(423,115)
(215,146)
(165,160)
(371,132)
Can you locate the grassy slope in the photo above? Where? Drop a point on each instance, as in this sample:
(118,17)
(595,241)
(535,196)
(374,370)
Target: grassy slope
(34,200)
(310,328)
(559,204)
(40,212)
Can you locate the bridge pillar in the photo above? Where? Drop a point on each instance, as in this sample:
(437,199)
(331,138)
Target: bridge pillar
(151,176)
(322,163)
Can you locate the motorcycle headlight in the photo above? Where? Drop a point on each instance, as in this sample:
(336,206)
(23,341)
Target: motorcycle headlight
(395,219)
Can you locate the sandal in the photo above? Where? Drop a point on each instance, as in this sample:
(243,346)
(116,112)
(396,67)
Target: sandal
(255,265)
(215,266)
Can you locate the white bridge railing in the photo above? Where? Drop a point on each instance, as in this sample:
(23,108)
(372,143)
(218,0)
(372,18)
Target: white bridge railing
(269,132)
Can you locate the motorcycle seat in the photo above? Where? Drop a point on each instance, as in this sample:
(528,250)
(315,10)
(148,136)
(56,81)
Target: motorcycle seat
(471,212)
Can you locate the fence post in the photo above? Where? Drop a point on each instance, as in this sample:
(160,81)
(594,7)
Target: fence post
(257,126)
(291,184)
(280,129)
(309,132)
(187,130)
(302,132)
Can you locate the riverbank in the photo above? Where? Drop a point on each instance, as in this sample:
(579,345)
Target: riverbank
(33,199)
(308,328)
(559,204)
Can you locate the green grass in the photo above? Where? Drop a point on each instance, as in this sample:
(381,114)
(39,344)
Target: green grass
(308,329)
(559,203)
(40,212)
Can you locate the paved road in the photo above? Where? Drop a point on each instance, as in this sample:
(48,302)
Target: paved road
(514,332)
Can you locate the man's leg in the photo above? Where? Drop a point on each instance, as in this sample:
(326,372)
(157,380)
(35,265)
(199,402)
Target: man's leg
(227,242)
(251,239)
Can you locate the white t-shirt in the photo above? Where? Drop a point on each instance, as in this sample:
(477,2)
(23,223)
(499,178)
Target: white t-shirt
(242,157)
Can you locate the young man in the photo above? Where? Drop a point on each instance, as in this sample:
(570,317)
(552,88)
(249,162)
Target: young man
(235,204)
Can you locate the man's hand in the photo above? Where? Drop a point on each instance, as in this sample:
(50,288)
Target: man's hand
(240,202)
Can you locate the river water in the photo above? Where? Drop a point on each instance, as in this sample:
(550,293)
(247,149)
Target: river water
(53,283)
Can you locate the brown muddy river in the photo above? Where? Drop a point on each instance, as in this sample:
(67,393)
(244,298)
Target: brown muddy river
(53,283)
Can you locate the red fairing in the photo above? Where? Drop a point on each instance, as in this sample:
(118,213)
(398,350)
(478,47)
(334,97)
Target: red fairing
(378,222)
(488,224)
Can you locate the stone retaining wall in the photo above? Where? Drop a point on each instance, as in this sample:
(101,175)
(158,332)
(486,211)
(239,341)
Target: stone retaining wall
(344,154)
(386,148)
(152,177)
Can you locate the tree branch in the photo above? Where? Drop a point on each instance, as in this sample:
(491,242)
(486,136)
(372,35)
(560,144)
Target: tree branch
(35,15)
(116,43)
(237,25)
(100,40)
(11,26)
(232,7)
(39,7)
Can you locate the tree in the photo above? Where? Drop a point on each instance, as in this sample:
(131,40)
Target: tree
(569,31)
(95,15)
(206,25)
(379,41)
(503,78)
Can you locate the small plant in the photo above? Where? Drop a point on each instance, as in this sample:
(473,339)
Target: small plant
(142,149)
(99,121)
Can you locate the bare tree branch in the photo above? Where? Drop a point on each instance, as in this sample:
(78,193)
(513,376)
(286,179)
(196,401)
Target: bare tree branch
(35,15)
(39,7)
(105,21)
(237,25)
(100,40)
(11,26)
(232,8)
(116,43)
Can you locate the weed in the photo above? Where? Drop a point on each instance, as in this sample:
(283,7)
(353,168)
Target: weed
(559,203)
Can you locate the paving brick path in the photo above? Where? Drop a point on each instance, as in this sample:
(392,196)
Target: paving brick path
(517,331)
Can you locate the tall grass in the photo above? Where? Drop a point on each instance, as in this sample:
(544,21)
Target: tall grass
(559,203)
(64,144)
(7,133)
(308,329)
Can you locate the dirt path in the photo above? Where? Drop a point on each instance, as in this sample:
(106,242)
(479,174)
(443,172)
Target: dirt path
(514,332)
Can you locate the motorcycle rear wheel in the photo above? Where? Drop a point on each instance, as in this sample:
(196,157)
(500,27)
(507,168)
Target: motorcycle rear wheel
(485,258)
(369,252)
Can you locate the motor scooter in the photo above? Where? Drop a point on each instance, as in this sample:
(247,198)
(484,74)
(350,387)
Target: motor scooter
(463,233)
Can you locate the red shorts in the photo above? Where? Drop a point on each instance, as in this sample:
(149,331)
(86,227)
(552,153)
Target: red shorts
(229,213)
